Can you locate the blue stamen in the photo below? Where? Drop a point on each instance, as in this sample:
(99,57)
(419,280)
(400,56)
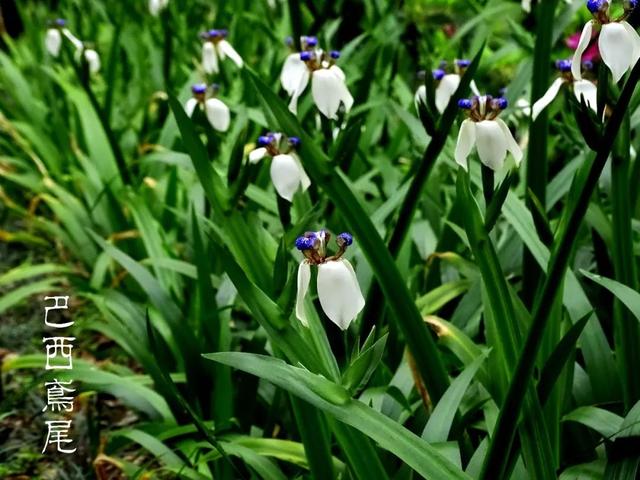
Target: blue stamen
(587,65)
(438,73)
(199,88)
(465,103)
(311,41)
(294,142)
(60,22)
(463,63)
(304,243)
(335,54)
(500,103)
(563,65)
(213,33)
(306,56)
(288,41)
(264,140)
(344,239)
(596,6)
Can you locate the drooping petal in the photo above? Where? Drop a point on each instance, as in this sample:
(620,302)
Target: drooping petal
(447,87)
(53,41)
(226,50)
(512,145)
(466,140)
(328,92)
(217,114)
(588,90)
(292,72)
(547,98)
(75,41)
(491,143)
(305,182)
(526,5)
(257,154)
(583,43)
(616,49)
(339,292)
(304,277)
(634,38)
(474,88)
(345,96)
(209,58)
(93,60)
(304,81)
(190,106)
(420,97)
(155,6)
(285,175)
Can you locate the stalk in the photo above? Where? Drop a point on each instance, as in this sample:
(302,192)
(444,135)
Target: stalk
(626,327)
(506,425)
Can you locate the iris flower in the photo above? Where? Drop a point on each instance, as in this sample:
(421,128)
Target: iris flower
(216,111)
(581,88)
(619,43)
(328,86)
(216,48)
(287,173)
(488,133)
(338,289)
(55,33)
(446,85)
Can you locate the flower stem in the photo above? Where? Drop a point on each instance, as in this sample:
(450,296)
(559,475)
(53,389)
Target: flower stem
(488,182)
(507,423)
(626,328)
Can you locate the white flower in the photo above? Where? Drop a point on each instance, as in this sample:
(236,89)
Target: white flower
(489,134)
(156,6)
(446,85)
(53,41)
(328,86)
(338,289)
(93,60)
(216,48)
(287,174)
(581,88)
(216,111)
(619,43)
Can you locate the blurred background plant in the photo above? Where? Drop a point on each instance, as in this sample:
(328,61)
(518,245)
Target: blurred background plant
(173,245)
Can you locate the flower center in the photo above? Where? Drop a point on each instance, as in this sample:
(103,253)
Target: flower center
(313,246)
(484,107)
(277,143)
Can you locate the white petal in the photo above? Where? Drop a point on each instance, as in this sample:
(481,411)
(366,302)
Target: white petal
(93,59)
(635,39)
(328,90)
(588,90)
(190,106)
(53,41)
(292,72)
(339,292)
(583,43)
(474,88)
(345,95)
(154,7)
(304,277)
(526,5)
(217,114)
(226,50)
(547,98)
(209,58)
(75,41)
(446,88)
(616,49)
(491,144)
(304,81)
(305,182)
(420,97)
(285,175)
(512,145)
(466,140)
(256,155)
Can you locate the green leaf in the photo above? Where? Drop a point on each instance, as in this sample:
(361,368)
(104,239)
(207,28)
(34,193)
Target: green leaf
(388,434)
